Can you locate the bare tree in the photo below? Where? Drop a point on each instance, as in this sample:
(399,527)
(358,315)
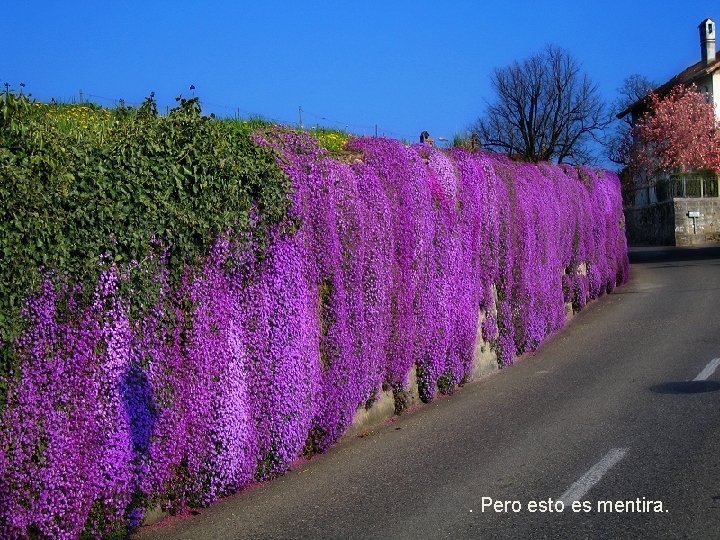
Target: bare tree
(546,110)
(634,88)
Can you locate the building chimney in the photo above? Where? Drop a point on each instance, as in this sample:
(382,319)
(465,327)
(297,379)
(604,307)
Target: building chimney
(707,41)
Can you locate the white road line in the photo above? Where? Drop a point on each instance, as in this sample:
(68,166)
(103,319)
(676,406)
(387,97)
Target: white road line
(708,370)
(593,476)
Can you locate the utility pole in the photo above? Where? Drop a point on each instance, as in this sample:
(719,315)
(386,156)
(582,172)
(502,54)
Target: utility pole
(300,113)
(376,130)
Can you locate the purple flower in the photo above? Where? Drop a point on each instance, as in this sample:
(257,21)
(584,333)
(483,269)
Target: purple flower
(239,369)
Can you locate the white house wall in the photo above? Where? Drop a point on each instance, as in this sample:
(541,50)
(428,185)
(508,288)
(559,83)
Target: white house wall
(715,89)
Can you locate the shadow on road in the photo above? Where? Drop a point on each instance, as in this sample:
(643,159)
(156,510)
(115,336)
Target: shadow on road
(639,255)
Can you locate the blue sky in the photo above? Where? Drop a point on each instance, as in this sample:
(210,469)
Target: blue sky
(403,66)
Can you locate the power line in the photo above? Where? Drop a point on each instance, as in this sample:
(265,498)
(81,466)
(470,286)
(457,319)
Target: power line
(110,100)
(366,128)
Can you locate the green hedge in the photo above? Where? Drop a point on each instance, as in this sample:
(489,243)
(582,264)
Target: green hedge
(81,185)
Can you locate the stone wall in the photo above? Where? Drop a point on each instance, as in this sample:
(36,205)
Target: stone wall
(651,225)
(669,223)
(705,230)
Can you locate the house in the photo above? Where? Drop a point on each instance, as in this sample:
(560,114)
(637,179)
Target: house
(704,74)
(679,209)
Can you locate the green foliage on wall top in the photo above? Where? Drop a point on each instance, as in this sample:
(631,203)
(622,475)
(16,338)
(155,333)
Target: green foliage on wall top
(80,185)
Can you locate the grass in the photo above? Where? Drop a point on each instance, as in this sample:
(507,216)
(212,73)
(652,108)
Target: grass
(333,140)
(88,120)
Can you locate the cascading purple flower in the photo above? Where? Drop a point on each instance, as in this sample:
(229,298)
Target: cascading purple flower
(68,466)
(388,261)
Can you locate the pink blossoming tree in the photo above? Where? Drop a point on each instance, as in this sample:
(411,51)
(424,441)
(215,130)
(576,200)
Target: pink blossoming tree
(678,133)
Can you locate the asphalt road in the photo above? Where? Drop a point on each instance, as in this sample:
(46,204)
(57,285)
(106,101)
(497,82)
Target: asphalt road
(607,411)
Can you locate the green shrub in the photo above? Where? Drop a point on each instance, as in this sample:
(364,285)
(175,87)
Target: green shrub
(80,185)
